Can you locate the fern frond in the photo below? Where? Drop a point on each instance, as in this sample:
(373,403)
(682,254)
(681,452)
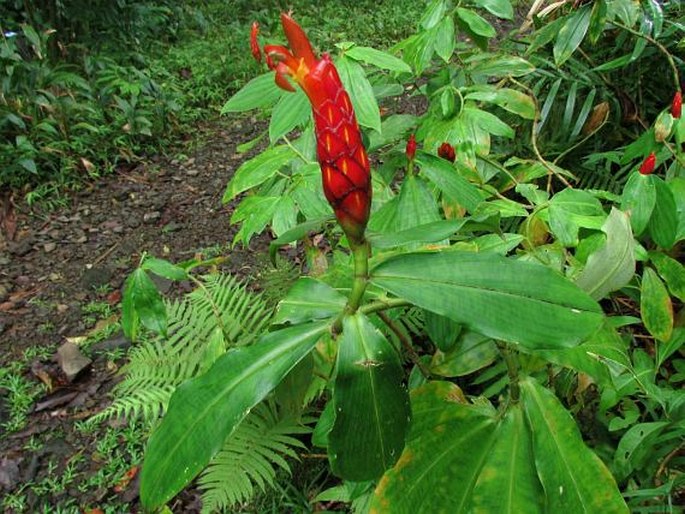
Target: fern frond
(250,457)
(218,315)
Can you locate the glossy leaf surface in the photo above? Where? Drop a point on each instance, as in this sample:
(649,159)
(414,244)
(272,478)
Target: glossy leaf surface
(525,303)
(574,478)
(205,410)
(371,403)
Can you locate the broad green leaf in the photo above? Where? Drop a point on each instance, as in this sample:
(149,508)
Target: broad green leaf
(371,403)
(378,58)
(613,265)
(526,303)
(415,206)
(573,477)
(638,200)
(433,14)
(254,212)
(164,269)
(508,99)
(634,446)
(663,224)
(472,352)
(604,351)
(433,232)
(489,122)
(257,170)
(656,308)
(307,300)
(259,92)
(445,39)
(598,20)
(672,271)
(448,445)
(499,65)
(290,394)
(572,34)
(476,23)
(500,8)
(571,209)
(508,482)
(361,93)
(291,111)
(418,51)
(393,127)
(285,216)
(145,301)
(677,186)
(130,321)
(455,187)
(442,331)
(205,410)
(296,233)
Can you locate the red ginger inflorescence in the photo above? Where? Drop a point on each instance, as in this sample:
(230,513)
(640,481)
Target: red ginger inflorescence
(648,164)
(446,151)
(344,163)
(410,150)
(677,104)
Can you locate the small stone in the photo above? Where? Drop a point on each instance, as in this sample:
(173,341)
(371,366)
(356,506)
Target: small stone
(71,360)
(4,292)
(9,473)
(150,217)
(192,172)
(118,341)
(49,247)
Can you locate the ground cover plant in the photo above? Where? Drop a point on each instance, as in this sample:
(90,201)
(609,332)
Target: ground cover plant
(469,322)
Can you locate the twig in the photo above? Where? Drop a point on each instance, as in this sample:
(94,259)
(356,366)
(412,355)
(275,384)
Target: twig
(534,142)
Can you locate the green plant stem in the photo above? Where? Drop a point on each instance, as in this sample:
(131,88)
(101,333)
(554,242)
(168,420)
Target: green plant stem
(297,152)
(534,140)
(381,305)
(662,49)
(511,361)
(360,252)
(406,343)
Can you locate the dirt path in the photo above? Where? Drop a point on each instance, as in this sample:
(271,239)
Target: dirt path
(60,278)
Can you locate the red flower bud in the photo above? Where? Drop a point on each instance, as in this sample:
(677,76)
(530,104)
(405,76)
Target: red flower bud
(411,147)
(344,164)
(446,151)
(648,164)
(254,44)
(677,105)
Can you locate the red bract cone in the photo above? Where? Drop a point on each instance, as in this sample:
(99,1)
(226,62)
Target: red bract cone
(446,151)
(411,147)
(341,154)
(648,164)
(677,105)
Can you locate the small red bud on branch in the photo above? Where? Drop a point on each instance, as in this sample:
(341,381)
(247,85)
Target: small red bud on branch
(648,164)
